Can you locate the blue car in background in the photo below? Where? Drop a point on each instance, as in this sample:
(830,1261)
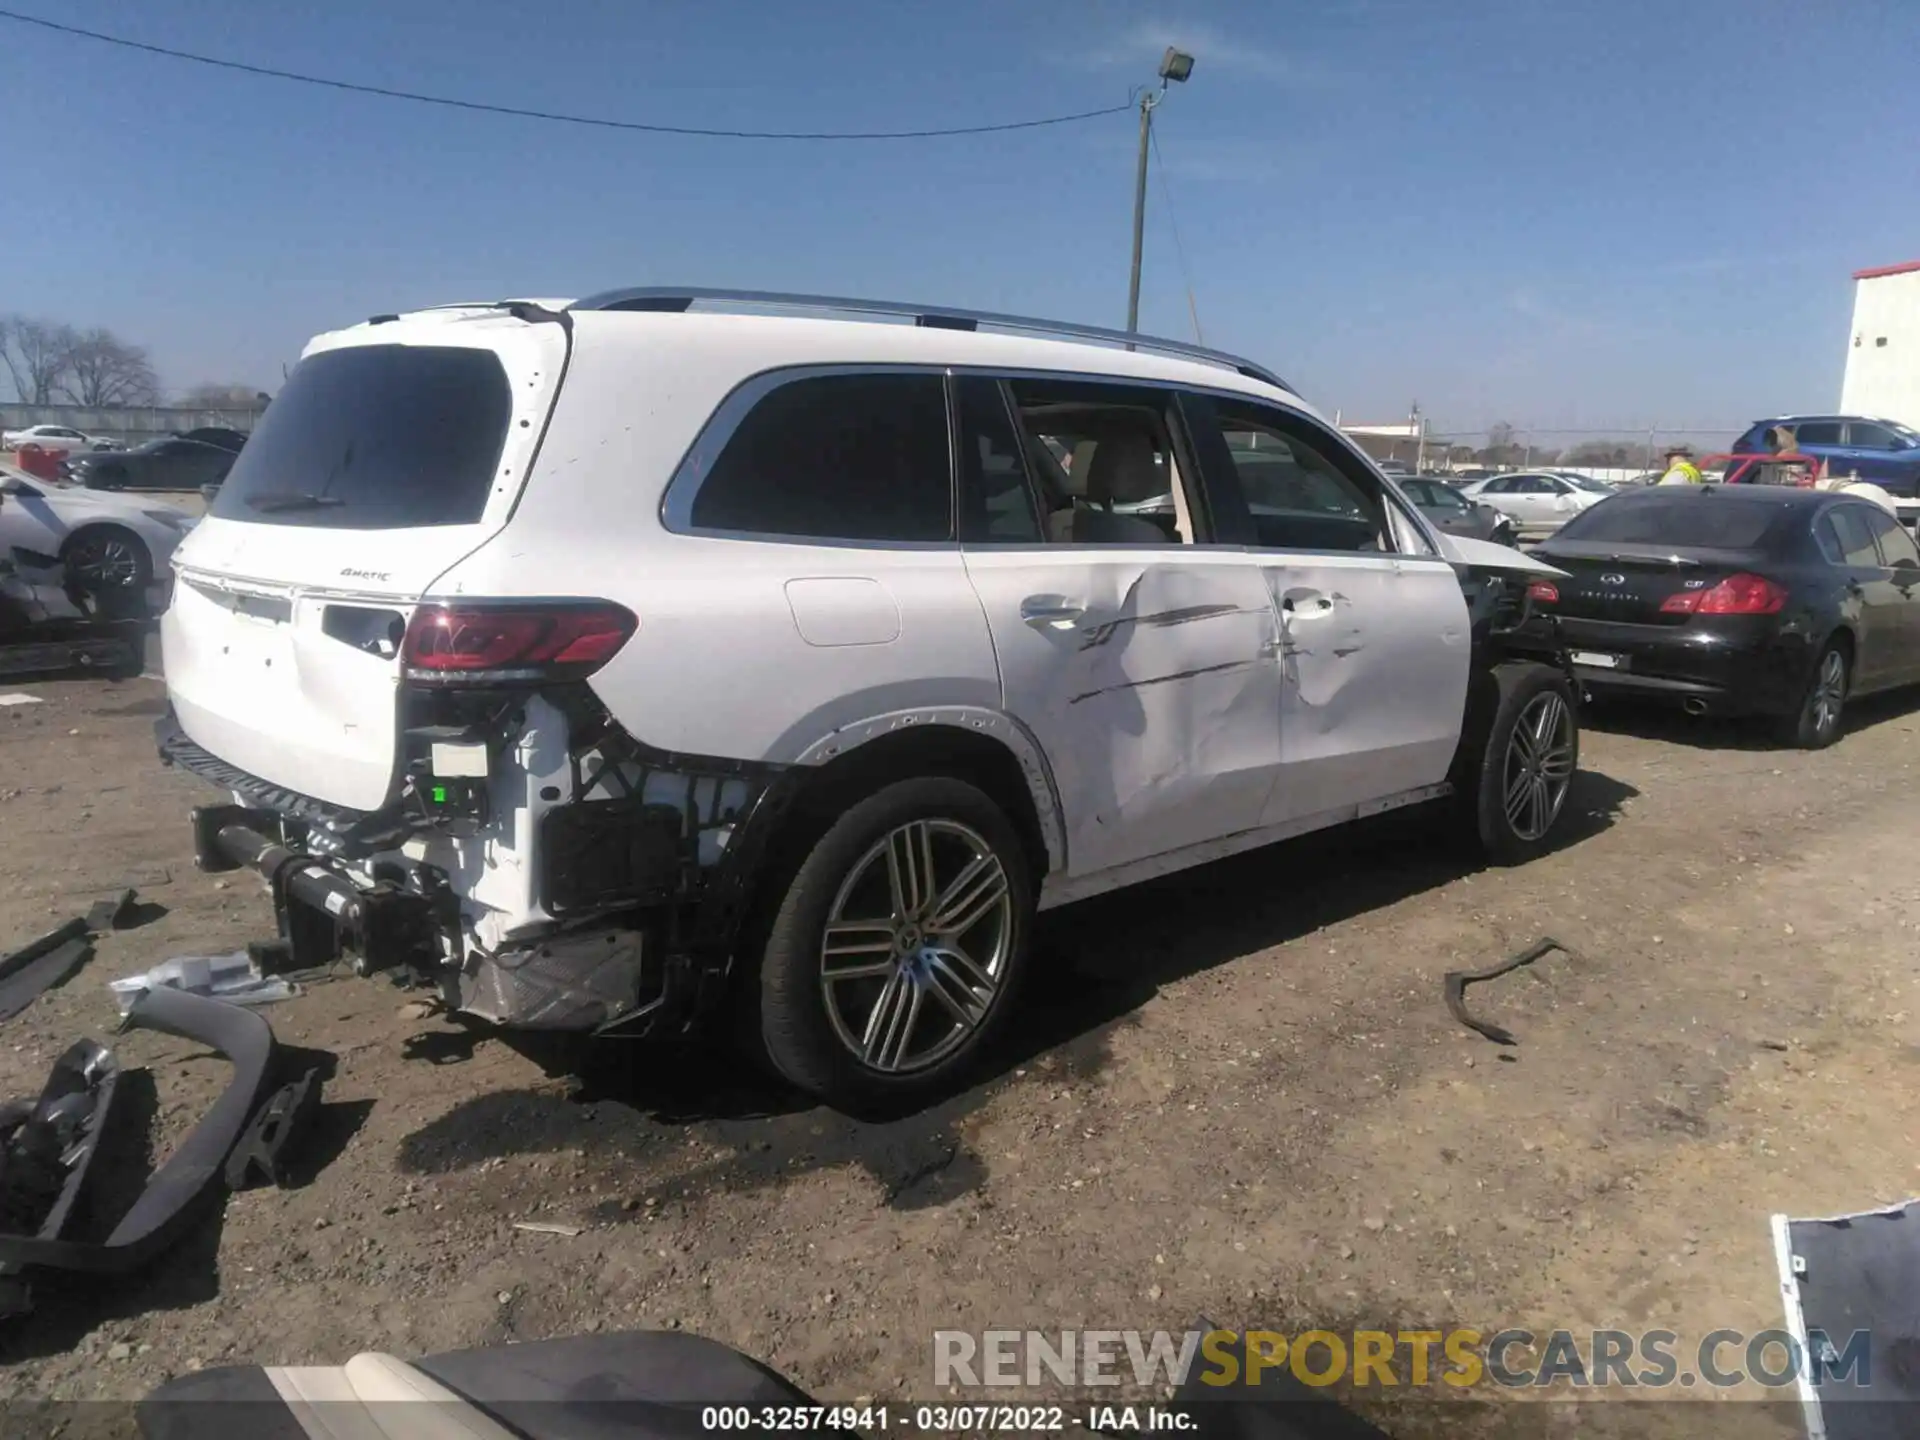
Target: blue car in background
(1884,452)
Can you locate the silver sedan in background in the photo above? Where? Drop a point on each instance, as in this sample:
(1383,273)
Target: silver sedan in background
(1538,503)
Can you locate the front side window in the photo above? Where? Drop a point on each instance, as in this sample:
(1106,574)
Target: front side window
(1303,491)
(1433,495)
(834,457)
(1862,436)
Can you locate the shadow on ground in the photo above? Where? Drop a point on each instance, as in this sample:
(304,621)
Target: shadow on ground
(1646,720)
(664,1110)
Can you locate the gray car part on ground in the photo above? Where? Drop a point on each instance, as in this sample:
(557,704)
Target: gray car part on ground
(166,1206)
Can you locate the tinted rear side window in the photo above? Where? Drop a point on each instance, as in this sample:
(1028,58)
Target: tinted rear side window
(836,457)
(1683,520)
(375,437)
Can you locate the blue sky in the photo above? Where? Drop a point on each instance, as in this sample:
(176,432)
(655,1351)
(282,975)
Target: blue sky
(1563,213)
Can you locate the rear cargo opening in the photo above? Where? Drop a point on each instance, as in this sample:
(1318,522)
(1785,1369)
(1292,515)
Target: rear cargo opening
(394,451)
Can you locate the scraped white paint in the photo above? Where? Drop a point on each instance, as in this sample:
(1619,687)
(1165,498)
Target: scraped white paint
(1067,889)
(18,699)
(1157,703)
(1374,656)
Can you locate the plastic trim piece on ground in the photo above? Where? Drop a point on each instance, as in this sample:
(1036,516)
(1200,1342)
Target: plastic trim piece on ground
(166,1205)
(36,967)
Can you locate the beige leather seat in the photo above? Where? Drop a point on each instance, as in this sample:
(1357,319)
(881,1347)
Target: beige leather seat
(379,1397)
(1123,472)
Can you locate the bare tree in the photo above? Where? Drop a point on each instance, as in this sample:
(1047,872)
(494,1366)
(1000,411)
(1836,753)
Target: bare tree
(103,369)
(38,356)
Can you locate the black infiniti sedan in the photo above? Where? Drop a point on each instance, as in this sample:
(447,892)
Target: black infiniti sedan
(1738,599)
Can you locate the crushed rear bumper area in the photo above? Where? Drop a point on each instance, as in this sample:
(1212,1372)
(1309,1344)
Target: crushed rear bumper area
(643,908)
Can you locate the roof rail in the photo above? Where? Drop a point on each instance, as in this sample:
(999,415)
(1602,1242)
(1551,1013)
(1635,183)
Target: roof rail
(676,299)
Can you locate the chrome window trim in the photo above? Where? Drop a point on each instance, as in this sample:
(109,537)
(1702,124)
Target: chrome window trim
(676,504)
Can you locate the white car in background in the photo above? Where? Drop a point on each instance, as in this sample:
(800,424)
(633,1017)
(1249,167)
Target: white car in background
(1538,503)
(112,545)
(54,437)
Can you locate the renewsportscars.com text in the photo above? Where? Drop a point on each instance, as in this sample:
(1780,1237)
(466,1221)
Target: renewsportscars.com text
(1460,1358)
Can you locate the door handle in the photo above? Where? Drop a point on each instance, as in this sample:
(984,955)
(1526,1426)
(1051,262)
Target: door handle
(1051,611)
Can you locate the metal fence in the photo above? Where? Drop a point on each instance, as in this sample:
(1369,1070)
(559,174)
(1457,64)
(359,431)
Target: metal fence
(129,424)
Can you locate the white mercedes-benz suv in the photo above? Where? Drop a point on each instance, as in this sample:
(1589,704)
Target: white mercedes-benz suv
(615,663)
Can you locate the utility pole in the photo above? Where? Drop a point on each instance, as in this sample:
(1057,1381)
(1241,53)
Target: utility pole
(1175,65)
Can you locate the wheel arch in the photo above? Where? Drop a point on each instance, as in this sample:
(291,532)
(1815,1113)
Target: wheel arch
(987,748)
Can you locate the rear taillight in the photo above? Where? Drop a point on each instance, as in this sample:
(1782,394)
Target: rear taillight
(1543,592)
(1735,595)
(483,643)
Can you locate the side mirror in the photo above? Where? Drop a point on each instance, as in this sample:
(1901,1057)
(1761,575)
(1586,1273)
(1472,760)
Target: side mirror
(12,486)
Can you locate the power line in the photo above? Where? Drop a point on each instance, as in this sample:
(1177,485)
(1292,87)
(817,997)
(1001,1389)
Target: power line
(526,114)
(1179,249)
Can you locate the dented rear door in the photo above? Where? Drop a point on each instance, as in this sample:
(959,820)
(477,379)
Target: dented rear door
(1148,675)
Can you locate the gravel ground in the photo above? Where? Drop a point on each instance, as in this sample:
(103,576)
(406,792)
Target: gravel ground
(1234,1093)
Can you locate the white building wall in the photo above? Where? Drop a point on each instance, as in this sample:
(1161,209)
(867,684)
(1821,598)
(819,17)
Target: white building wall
(1883,351)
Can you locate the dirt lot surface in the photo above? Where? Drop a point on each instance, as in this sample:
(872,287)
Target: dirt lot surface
(1235,1093)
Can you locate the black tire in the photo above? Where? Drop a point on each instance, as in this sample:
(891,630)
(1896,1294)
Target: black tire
(801,1038)
(1487,773)
(1812,726)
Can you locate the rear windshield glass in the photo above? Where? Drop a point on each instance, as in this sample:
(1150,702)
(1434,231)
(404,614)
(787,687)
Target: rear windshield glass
(1681,520)
(375,437)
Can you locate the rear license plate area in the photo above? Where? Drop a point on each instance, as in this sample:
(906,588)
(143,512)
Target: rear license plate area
(1597,659)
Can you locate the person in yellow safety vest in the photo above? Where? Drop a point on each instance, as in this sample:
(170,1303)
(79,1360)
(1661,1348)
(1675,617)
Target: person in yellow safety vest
(1680,468)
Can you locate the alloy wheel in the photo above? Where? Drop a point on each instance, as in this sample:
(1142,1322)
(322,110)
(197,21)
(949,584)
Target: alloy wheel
(916,946)
(1539,765)
(105,562)
(1829,692)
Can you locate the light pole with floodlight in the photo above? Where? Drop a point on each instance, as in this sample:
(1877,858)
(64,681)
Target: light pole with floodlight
(1175,66)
